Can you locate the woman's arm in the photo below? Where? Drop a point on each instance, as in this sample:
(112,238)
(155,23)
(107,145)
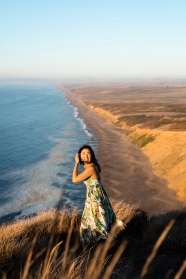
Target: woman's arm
(82,176)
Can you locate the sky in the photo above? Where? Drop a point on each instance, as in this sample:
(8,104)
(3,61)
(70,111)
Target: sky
(97,38)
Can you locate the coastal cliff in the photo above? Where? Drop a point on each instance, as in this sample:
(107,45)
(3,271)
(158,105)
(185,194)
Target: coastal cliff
(165,149)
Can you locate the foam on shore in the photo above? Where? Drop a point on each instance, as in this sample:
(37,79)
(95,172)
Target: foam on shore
(85,128)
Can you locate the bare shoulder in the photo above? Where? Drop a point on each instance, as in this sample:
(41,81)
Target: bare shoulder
(92,167)
(96,171)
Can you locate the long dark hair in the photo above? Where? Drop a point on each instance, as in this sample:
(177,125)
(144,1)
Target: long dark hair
(93,157)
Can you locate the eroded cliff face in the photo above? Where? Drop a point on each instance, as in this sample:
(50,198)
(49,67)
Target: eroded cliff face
(166,151)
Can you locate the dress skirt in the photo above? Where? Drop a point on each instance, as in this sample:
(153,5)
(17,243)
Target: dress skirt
(98,215)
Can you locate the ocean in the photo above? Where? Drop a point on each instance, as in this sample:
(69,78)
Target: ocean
(40,133)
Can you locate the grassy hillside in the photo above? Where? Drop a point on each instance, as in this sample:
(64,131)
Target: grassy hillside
(48,246)
(165,149)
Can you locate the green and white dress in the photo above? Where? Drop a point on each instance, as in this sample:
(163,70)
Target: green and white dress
(98,215)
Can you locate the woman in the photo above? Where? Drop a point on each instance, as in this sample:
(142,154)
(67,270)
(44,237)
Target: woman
(98,214)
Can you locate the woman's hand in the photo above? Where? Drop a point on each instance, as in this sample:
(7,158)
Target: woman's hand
(77,158)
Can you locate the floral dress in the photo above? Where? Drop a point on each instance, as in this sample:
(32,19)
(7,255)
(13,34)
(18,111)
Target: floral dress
(98,215)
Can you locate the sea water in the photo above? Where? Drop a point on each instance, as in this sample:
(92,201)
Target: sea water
(40,133)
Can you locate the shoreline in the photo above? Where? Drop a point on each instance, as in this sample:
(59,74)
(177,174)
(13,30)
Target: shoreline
(126,173)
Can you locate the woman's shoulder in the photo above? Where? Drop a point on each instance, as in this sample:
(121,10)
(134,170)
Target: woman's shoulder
(95,167)
(91,167)
(93,171)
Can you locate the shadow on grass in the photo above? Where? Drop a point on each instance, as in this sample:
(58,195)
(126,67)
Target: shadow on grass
(57,251)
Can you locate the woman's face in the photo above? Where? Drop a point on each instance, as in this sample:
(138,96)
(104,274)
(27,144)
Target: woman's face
(85,155)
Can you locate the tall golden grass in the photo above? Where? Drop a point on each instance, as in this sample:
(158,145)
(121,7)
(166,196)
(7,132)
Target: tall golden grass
(47,246)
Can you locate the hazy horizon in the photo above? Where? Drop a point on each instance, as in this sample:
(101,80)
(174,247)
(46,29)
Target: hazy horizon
(79,80)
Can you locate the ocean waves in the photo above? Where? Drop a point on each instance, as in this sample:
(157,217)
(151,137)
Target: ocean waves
(43,133)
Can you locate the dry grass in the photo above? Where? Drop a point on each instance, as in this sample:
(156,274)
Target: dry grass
(47,246)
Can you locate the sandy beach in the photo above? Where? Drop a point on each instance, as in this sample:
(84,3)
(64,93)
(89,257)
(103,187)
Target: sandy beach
(126,174)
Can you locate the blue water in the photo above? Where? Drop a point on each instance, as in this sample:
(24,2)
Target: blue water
(40,132)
